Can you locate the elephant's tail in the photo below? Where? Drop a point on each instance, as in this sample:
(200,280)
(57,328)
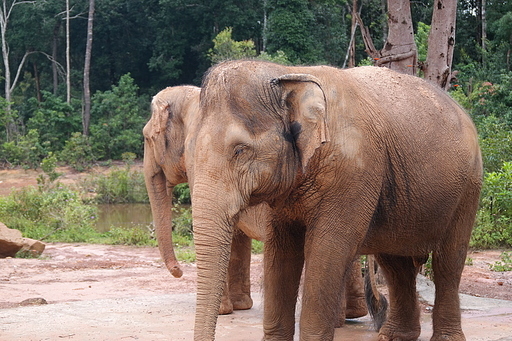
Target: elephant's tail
(376,302)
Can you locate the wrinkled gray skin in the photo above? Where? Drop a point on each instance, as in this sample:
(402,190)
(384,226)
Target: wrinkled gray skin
(356,161)
(175,115)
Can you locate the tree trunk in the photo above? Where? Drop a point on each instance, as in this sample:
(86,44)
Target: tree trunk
(37,83)
(352,47)
(87,66)
(55,45)
(7,71)
(441,41)
(399,52)
(68,59)
(5,13)
(484,25)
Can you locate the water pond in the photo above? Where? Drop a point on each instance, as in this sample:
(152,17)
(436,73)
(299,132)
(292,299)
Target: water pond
(123,215)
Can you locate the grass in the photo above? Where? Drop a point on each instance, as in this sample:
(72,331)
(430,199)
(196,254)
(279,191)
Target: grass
(505,264)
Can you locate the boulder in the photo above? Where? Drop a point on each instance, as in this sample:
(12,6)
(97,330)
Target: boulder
(11,241)
(35,247)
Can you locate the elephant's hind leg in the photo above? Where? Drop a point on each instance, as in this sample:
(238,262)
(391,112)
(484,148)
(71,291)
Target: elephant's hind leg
(403,322)
(239,272)
(237,292)
(448,261)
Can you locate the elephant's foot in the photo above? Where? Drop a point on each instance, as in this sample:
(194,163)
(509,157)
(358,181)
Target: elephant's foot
(455,336)
(241,301)
(226,306)
(356,307)
(389,332)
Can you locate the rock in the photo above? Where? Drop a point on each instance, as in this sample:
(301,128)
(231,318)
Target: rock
(35,247)
(33,301)
(11,241)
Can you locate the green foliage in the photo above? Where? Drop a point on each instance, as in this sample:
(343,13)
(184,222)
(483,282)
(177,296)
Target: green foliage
(494,219)
(290,26)
(77,152)
(48,166)
(117,121)
(182,220)
(256,247)
(279,57)
(27,151)
(497,191)
(49,213)
(182,235)
(225,48)
(120,185)
(137,236)
(187,255)
(495,142)
(421,40)
(181,194)
(505,264)
(54,119)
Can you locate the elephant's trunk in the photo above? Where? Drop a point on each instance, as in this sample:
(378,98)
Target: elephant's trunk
(161,207)
(213,233)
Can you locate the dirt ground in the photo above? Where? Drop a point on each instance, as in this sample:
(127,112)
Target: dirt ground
(82,272)
(75,272)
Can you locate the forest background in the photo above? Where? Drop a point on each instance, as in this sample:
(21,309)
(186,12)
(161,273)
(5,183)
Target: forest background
(129,50)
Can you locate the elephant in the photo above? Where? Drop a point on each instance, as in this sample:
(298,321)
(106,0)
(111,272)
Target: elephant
(350,161)
(175,113)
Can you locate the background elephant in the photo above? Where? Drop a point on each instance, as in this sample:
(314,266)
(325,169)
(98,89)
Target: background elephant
(356,161)
(175,115)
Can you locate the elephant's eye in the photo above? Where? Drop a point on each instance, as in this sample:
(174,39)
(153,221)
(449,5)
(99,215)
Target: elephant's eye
(240,150)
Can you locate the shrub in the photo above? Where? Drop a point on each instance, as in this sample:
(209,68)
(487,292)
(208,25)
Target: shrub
(117,119)
(505,264)
(130,236)
(181,193)
(77,152)
(494,218)
(50,213)
(55,119)
(182,220)
(27,151)
(118,186)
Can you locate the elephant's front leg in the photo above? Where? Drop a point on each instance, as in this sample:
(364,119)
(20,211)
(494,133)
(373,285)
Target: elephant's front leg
(324,280)
(283,262)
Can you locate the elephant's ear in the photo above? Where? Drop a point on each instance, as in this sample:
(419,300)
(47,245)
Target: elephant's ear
(160,110)
(305,102)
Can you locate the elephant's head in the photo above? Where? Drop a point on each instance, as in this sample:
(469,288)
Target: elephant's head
(260,128)
(167,136)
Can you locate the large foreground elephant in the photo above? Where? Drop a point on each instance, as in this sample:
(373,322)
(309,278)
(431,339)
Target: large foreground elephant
(169,139)
(356,161)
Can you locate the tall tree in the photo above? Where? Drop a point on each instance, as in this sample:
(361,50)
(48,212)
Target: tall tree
(68,59)
(5,14)
(441,41)
(399,52)
(86,117)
